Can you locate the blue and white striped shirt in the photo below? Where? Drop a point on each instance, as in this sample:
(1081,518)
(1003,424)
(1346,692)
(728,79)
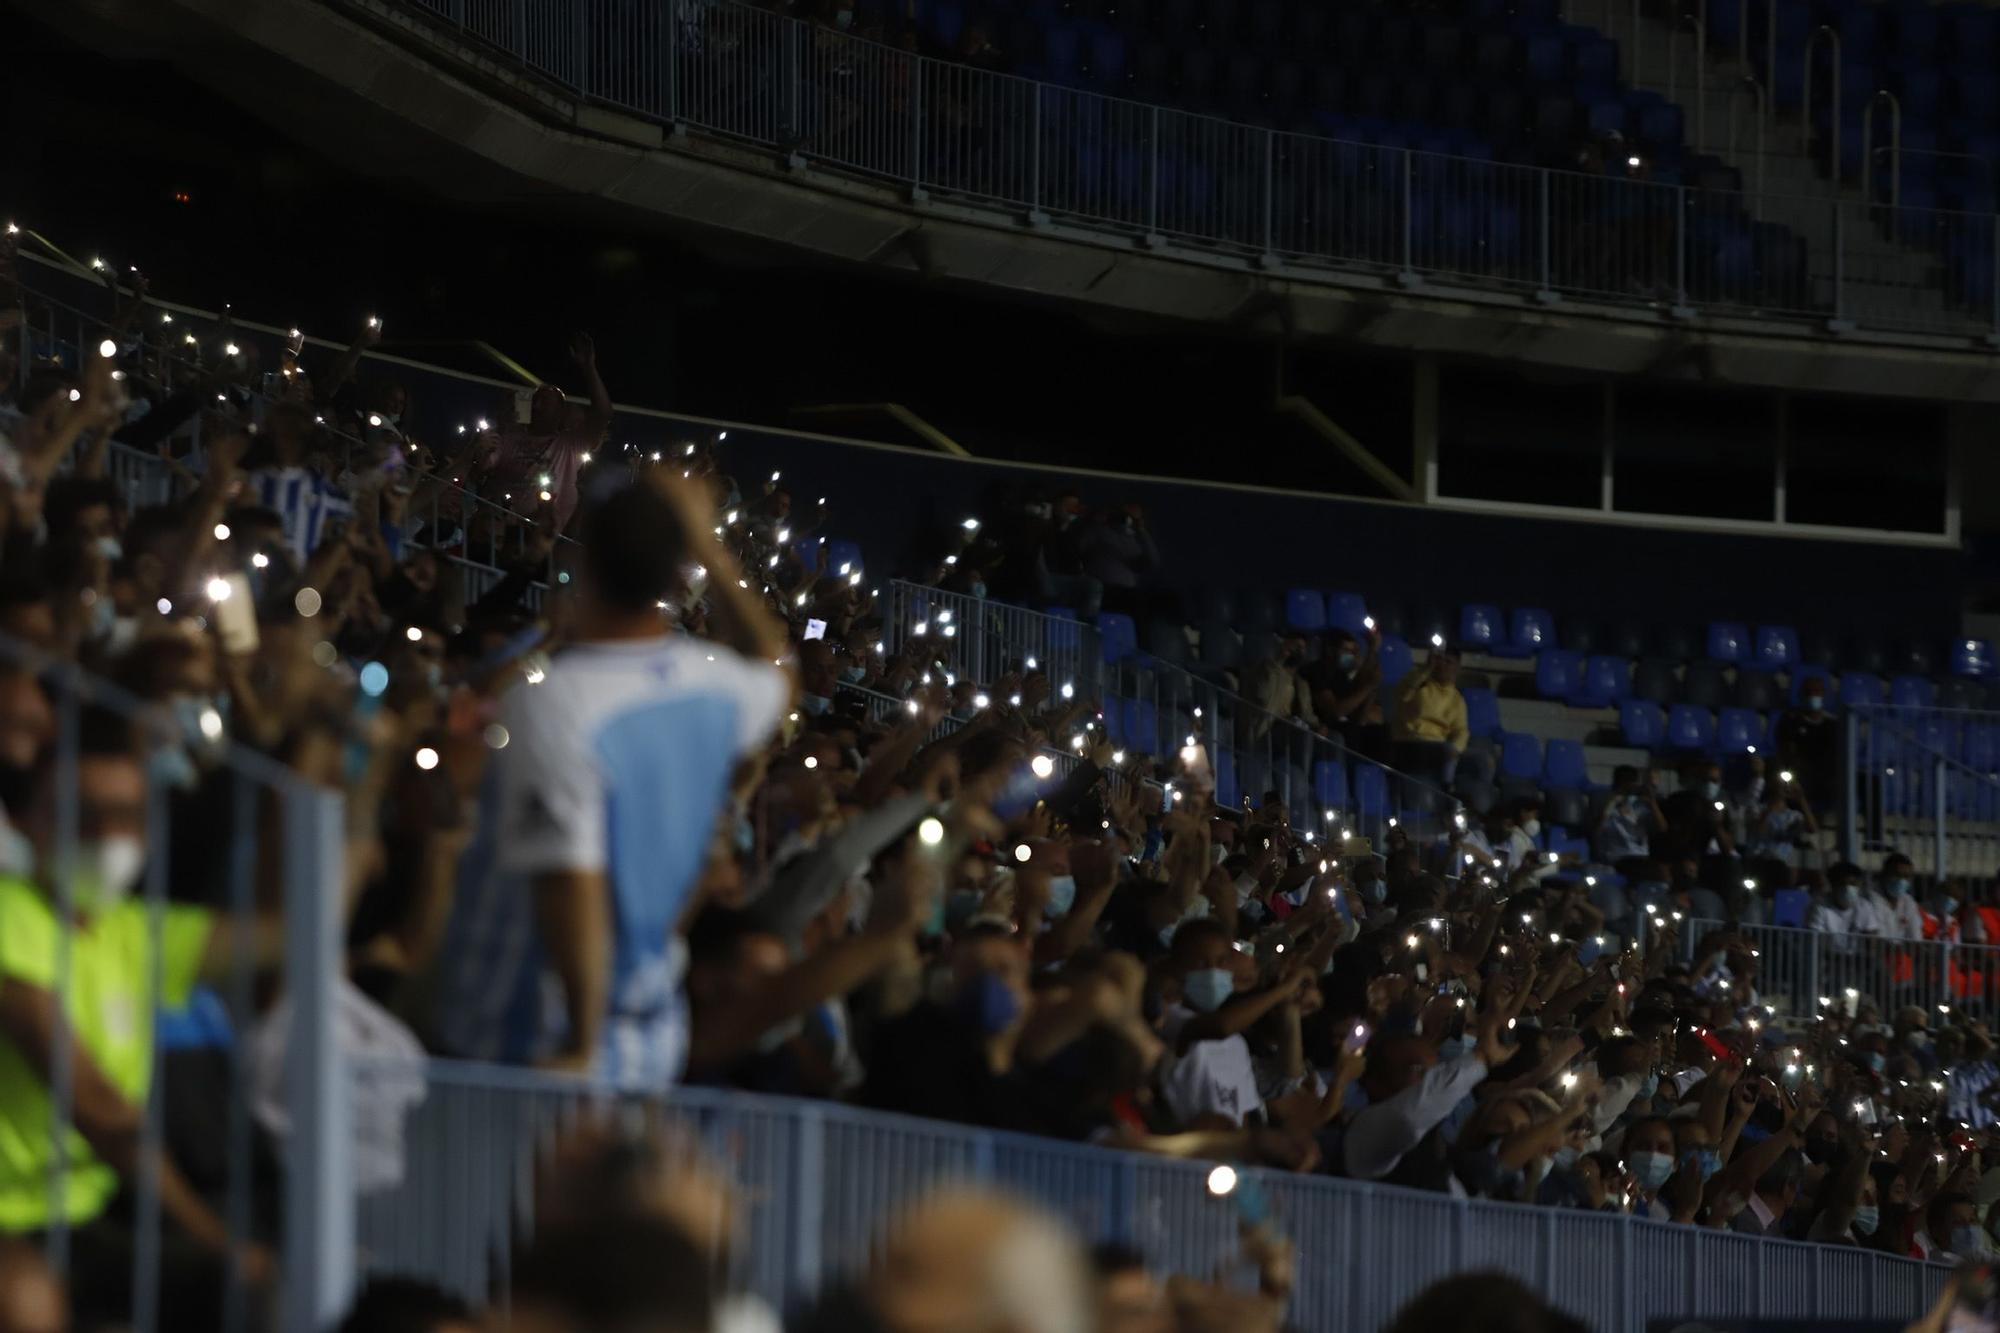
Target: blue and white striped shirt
(304,501)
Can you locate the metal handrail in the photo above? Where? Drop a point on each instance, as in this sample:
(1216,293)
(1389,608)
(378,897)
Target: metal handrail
(1700,74)
(1895,145)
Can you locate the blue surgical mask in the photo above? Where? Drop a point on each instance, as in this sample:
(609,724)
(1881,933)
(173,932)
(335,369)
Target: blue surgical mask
(1876,1060)
(1711,790)
(1062,895)
(979,589)
(1650,1088)
(1345,661)
(816,704)
(1651,1169)
(1814,703)
(1898,887)
(169,766)
(1866,1220)
(1706,1159)
(1377,891)
(1206,988)
(989,1004)
(1967,1240)
(1947,905)
(1562,1159)
(853,675)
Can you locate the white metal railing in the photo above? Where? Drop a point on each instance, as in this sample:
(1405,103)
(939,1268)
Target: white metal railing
(1802,971)
(1924,781)
(821,1183)
(1221,188)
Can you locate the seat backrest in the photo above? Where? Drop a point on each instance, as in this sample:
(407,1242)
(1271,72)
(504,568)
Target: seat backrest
(1482,712)
(1567,806)
(1531,629)
(1861,687)
(1563,765)
(1329,778)
(1607,677)
(1226,793)
(1520,755)
(1120,635)
(1556,673)
(1657,679)
(1788,907)
(1777,647)
(1728,641)
(1755,689)
(1739,729)
(1703,685)
(1479,625)
(1305,611)
(1690,727)
(1397,660)
(1347,610)
(1912,692)
(1371,789)
(1642,722)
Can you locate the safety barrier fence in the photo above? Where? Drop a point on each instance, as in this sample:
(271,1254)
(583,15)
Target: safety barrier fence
(1802,971)
(1151,706)
(1926,782)
(820,1183)
(270,858)
(1156,176)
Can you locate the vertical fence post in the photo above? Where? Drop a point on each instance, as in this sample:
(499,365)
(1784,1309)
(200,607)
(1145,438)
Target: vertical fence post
(1839,259)
(917,127)
(1153,175)
(1548,287)
(808,1198)
(520,8)
(1681,243)
(580,64)
(1850,789)
(1409,222)
(319,1185)
(1939,775)
(670,71)
(1035,152)
(1270,191)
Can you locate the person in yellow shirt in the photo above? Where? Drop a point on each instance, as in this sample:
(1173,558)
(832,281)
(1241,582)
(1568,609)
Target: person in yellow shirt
(113,961)
(1429,728)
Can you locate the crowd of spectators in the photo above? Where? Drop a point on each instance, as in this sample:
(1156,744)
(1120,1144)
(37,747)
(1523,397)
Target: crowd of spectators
(657,808)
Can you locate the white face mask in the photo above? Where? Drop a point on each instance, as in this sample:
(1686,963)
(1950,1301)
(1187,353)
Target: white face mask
(1532,827)
(101,872)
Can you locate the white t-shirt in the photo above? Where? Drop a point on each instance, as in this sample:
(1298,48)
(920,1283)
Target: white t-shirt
(1210,1077)
(618,762)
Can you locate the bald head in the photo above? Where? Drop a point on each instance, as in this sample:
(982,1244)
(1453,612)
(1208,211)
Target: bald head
(975,1263)
(31,1300)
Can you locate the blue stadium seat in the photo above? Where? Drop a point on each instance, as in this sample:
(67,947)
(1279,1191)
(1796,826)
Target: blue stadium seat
(1330,784)
(1520,755)
(1643,723)
(1114,719)
(1397,661)
(1788,907)
(1482,711)
(1142,726)
(1690,728)
(1120,635)
(1777,648)
(1304,611)
(1861,688)
(1557,673)
(1738,731)
(1972,657)
(1347,610)
(1605,682)
(1563,765)
(843,557)
(1529,630)
(1728,641)
(1479,627)
(1371,791)
(1912,692)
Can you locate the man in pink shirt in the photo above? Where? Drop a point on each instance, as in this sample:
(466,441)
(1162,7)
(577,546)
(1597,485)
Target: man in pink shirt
(547,454)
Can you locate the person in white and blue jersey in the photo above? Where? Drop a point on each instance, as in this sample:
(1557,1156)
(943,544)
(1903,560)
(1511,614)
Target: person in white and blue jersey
(564,949)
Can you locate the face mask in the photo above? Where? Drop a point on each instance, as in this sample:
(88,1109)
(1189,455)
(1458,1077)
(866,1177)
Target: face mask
(1345,661)
(843,19)
(1712,790)
(1843,896)
(1876,1061)
(1705,1158)
(746,834)
(434,674)
(109,547)
(1376,891)
(1650,1088)
(1967,1240)
(1207,988)
(1898,887)
(816,704)
(979,589)
(169,766)
(1532,827)
(988,1004)
(1946,906)
(1814,704)
(101,873)
(1062,895)
(1866,1220)
(1651,1169)
(854,674)
(1564,1158)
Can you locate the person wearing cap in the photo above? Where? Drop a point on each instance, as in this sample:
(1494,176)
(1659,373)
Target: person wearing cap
(1430,727)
